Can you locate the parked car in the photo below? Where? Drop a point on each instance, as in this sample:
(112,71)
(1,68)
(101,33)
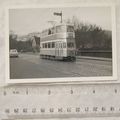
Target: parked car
(13,53)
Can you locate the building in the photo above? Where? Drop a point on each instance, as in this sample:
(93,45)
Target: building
(36,44)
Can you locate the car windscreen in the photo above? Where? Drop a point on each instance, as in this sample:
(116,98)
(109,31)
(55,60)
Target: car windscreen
(14,50)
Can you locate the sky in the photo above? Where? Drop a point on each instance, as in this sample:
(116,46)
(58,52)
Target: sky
(28,20)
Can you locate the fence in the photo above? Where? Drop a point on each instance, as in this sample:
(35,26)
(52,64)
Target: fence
(95,53)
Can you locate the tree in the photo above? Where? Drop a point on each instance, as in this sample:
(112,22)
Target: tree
(90,36)
(12,40)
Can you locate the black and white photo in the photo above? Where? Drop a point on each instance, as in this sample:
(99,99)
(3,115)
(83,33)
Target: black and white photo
(61,43)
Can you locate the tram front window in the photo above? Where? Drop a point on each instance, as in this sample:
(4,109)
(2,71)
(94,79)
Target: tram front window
(60,29)
(70,29)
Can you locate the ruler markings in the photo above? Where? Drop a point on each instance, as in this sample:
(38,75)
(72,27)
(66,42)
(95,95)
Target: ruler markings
(60,101)
(28,91)
(63,112)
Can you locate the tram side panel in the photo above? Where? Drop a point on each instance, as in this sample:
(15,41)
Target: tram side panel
(56,50)
(61,50)
(47,52)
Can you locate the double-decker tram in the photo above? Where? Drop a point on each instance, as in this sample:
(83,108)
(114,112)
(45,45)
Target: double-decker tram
(58,43)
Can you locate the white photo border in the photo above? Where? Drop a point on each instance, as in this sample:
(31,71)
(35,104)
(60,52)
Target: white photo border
(82,80)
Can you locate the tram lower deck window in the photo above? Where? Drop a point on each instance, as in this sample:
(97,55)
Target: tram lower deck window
(45,45)
(64,45)
(48,45)
(53,45)
(70,45)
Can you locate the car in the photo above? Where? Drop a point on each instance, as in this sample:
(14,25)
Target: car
(13,53)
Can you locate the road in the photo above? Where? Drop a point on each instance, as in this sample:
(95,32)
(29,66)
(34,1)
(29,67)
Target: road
(31,66)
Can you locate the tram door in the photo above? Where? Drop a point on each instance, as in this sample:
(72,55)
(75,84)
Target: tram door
(59,49)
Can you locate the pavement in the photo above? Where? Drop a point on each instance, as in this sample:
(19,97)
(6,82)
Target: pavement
(94,58)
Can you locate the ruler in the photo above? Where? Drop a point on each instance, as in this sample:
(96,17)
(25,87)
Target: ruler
(59,101)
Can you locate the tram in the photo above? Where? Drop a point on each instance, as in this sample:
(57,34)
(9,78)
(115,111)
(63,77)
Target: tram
(58,42)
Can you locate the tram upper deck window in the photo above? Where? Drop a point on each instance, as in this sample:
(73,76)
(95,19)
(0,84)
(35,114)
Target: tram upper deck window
(64,45)
(44,33)
(51,31)
(70,29)
(60,29)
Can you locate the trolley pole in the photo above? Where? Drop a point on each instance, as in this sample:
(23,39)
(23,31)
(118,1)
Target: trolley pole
(61,16)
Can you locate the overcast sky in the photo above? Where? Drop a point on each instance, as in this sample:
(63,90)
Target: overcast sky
(24,21)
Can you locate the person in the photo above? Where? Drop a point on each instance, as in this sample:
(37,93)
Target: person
(49,32)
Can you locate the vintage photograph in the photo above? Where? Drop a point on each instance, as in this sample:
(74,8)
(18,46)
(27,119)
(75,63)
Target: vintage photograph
(57,44)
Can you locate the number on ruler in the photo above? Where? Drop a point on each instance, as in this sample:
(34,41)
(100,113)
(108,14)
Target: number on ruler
(49,92)
(34,110)
(115,90)
(15,92)
(93,91)
(4,93)
(71,91)
(16,110)
(27,91)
